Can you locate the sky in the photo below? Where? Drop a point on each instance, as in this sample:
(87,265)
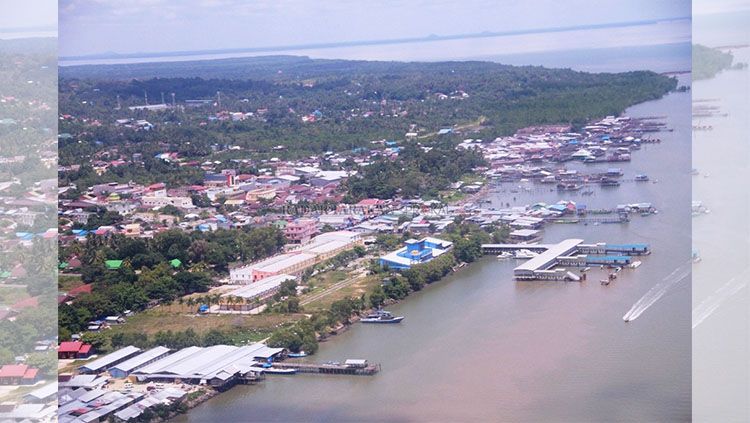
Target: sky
(132,26)
(23,16)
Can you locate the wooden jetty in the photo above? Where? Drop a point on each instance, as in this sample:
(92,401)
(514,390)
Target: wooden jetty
(365,368)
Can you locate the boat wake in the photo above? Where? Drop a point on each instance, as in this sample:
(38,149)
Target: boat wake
(708,306)
(654,294)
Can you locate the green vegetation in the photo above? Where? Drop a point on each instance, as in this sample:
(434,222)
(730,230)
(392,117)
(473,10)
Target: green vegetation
(117,290)
(359,102)
(707,61)
(414,173)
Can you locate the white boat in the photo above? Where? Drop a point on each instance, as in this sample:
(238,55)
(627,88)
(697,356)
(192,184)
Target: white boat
(505,255)
(635,264)
(525,254)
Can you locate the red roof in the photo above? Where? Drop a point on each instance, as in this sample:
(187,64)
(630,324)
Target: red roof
(70,346)
(13,370)
(85,349)
(369,202)
(31,373)
(83,289)
(27,303)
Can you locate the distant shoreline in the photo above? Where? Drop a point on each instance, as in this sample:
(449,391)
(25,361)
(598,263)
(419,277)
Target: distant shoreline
(361,43)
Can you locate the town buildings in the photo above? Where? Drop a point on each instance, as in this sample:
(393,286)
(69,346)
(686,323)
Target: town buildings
(295,261)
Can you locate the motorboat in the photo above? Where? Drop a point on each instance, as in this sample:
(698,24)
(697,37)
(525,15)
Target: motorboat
(525,254)
(505,255)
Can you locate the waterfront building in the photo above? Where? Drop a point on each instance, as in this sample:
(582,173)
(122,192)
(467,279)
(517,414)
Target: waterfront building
(415,252)
(123,369)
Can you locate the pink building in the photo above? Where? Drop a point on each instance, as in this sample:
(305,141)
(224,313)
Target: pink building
(301,230)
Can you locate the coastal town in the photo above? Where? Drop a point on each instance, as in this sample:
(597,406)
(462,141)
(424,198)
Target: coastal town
(331,252)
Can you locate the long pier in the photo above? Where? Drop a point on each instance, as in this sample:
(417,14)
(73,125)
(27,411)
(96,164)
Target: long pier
(325,368)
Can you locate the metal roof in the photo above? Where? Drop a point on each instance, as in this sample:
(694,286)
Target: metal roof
(206,363)
(102,363)
(259,288)
(545,259)
(141,359)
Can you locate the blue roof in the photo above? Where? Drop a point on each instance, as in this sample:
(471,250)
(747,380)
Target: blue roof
(628,246)
(609,258)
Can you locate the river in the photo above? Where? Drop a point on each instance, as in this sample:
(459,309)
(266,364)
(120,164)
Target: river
(479,346)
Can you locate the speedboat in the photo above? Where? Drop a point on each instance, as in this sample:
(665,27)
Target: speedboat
(505,255)
(381,316)
(297,355)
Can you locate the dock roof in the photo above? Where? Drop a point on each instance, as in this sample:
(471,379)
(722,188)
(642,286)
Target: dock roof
(545,259)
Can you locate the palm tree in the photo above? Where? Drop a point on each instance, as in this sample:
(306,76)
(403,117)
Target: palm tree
(229,300)
(181,302)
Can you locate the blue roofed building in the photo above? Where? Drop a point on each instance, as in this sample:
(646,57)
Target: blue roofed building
(415,252)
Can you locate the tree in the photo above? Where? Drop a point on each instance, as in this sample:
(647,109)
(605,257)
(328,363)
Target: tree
(377,297)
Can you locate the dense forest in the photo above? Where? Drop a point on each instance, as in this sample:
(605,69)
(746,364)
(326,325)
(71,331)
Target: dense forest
(414,173)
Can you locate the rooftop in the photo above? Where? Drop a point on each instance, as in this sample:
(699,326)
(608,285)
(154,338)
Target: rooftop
(141,359)
(543,260)
(102,363)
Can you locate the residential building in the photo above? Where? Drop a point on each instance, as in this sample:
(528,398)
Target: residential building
(74,350)
(158,201)
(301,231)
(18,374)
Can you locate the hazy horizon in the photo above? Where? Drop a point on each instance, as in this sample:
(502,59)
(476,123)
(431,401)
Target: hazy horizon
(159,26)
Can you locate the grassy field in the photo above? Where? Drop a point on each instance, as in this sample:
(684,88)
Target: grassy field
(248,327)
(68,282)
(359,286)
(324,280)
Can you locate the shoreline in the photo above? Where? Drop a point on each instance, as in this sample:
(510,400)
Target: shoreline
(344,327)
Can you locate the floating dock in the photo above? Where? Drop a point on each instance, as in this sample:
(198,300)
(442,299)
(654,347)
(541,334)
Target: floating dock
(570,252)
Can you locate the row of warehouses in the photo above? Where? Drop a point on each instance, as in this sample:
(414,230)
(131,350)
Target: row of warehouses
(218,365)
(294,262)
